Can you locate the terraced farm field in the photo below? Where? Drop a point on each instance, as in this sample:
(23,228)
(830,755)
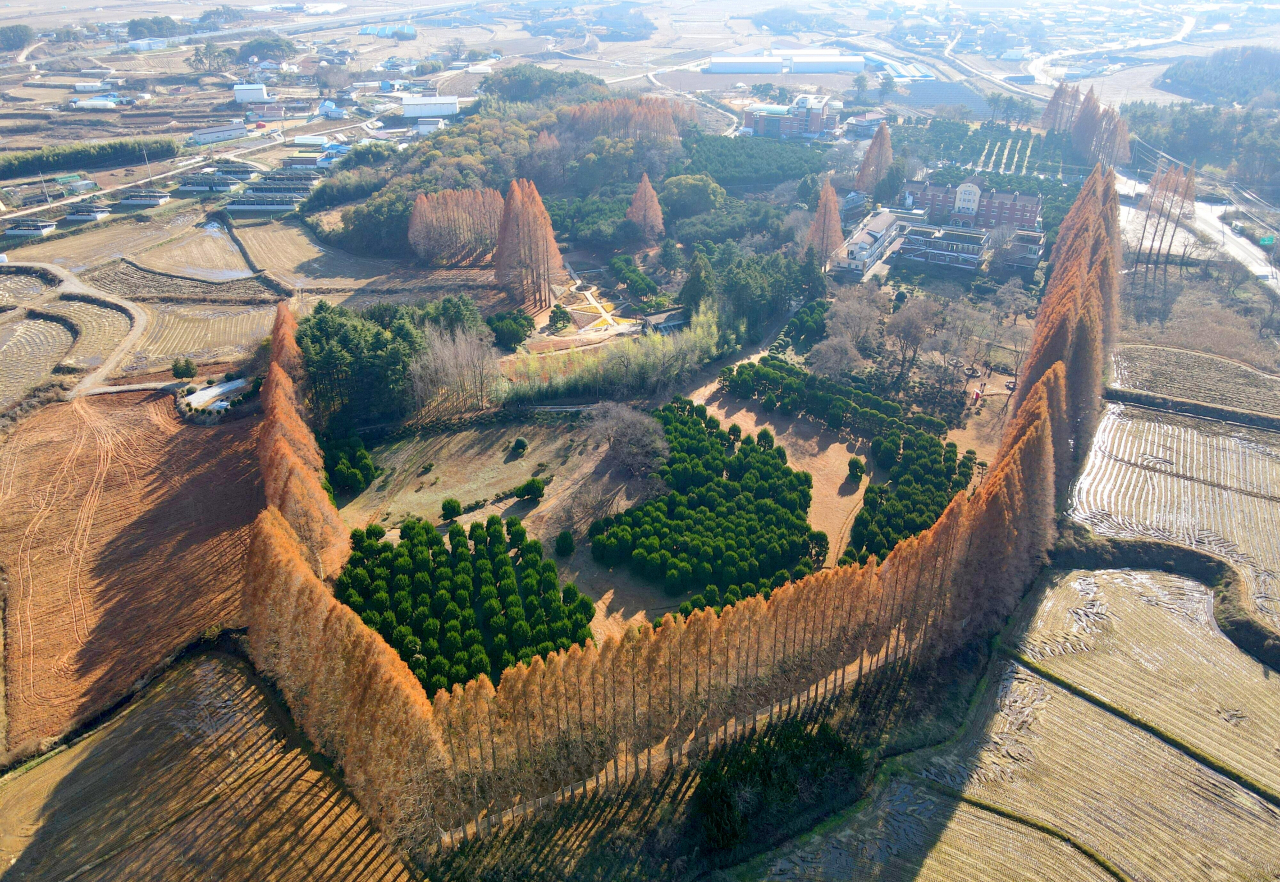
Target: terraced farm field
(1196,376)
(101,329)
(99,245)
(1146,643)
(122,537)
(1199,483)
(18,290)
(130,283)
(206,251)
(203,777)
(29,350)
(1052,758)
(913,833)
(199,331)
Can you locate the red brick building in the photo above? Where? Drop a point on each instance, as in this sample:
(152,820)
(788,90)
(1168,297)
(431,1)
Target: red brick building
(808,116)
(971,205)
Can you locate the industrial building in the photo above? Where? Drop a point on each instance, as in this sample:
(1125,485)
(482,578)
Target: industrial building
(808,116)
(264,204)
(739,64)
(776,61)
(251,93)
(216,134)
(204,182)
(416,106)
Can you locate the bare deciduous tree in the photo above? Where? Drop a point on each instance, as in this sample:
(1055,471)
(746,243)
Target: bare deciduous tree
(456,371)
(636,443)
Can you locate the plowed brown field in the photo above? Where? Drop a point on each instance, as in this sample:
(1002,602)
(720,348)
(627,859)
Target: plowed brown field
(202,778)
(122,537)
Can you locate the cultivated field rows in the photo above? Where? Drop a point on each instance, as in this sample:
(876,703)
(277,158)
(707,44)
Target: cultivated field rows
(130,283)
(100,330)
(1198,483)
(202,332)
(1196,376)
(17,290)
(914,834)
(199,779)
(1146,643)
(29,350)
(1050,757)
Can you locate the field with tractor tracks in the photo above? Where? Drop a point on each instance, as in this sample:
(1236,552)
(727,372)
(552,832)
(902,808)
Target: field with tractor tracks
(19,290)
(1199,483)
(202,777)
(122,538)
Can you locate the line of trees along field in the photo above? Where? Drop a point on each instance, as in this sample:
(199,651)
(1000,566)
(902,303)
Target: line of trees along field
(422,766)
(74,157)
(1098,133)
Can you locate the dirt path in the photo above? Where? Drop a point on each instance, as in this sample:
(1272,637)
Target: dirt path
(71,284)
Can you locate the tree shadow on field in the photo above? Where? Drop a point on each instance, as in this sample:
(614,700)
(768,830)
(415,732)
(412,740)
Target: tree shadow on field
(204,777)
(176,568)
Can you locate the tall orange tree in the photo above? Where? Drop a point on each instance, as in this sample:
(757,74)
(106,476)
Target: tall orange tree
(645,211)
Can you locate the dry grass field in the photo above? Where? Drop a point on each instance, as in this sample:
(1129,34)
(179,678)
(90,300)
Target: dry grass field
(29,350)
(1196,376)
(1199,483)
(100,331)
(1050,757)
(100,244)
(122,537)
(1197,307)
(1146,643)
(291,254)
(205,251)
(476,463)
(199,331)
(203,777)
(130,283)
(910,833)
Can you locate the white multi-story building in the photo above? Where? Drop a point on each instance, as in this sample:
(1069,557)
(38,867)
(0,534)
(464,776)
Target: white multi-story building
(867,245)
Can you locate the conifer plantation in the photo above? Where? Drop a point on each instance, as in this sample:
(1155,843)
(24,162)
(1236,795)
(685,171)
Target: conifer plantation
(455,227)
(825,234)
(645,212)
(875,165)
(424,765)
(527,260)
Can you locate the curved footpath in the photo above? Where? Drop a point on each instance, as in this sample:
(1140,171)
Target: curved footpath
(70,283)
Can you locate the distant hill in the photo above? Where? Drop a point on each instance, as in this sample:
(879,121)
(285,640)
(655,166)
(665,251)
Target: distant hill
(1228,76)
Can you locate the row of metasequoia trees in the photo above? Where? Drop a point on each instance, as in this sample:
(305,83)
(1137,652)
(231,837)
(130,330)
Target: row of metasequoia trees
(876,162)
(466,227)
(422,766)
(1098,132)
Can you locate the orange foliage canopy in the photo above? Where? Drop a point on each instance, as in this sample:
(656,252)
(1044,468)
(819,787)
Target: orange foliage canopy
(875,165)
(825,234)
(645,211)
(455,227)
(527,260)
